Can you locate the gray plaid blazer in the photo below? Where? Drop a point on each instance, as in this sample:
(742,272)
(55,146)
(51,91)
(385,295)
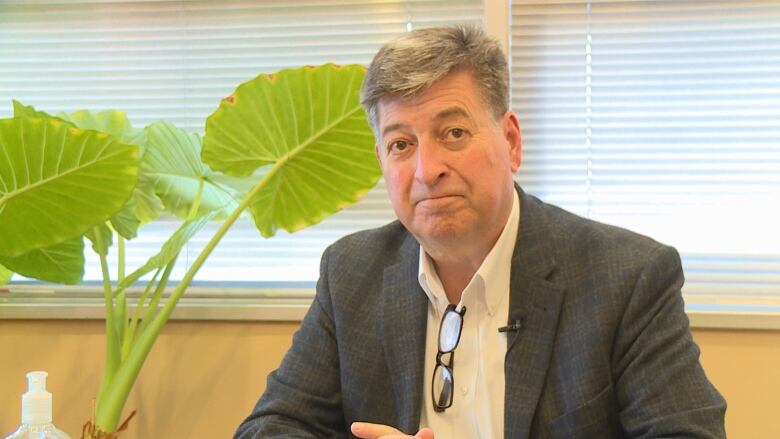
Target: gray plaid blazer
(605,349)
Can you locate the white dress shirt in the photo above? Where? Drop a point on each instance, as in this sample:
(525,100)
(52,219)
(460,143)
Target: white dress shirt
(478,371)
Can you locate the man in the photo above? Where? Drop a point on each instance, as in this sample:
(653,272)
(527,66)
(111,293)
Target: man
(562,327)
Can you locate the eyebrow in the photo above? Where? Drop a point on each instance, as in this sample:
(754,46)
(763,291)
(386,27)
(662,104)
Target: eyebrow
(391,127)
(450,113)
(447,113)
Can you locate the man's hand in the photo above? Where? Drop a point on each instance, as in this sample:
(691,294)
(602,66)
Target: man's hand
(378,431)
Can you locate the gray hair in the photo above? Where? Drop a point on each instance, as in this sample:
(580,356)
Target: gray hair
(411,63)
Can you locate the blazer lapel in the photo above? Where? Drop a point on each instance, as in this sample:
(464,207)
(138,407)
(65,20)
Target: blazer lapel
(404,320)
(535,302)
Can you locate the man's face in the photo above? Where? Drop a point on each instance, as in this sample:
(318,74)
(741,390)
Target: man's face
(448,163)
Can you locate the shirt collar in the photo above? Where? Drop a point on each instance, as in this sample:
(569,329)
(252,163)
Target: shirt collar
(493,273)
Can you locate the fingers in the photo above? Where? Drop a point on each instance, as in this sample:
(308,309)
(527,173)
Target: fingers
(425,433)
(366,430)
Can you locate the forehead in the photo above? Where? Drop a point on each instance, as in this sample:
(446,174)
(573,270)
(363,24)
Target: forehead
(456,90)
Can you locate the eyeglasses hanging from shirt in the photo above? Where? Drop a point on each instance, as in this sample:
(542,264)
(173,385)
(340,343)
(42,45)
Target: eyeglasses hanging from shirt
(449,335)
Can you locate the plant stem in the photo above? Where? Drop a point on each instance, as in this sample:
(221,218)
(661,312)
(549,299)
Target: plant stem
(112,347)
(120,244)
(151,310)
(196,202)
(128,339)
(122,323)
(110,410)
(120,318)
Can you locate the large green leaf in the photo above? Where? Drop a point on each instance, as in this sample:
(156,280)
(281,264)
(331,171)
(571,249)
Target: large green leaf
(57,181)
(60,263)
(309,124)
(102,245)
(143,206)
(113,122)
(172,163)
(21,110)
(5,275)
(147,206)
(125,222)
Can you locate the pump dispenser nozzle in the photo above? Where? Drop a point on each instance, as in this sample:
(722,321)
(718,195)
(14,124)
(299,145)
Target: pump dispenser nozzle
(36,411)
(36,403)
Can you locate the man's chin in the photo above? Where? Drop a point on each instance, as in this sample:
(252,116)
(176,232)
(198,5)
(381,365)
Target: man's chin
(441,232)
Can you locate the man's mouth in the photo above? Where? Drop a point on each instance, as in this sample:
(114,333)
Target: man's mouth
(436,199)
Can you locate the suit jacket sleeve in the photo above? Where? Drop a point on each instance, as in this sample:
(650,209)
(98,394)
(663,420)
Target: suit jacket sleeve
(660,385)
(303,397)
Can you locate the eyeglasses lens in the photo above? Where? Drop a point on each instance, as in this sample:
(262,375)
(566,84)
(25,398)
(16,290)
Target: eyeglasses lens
(450,331)
(442,386)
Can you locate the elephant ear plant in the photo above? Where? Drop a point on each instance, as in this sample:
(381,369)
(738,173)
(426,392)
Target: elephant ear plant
(298,139)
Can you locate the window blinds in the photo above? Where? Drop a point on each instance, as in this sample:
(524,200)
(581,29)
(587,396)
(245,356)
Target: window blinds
(662,117)
(175,60)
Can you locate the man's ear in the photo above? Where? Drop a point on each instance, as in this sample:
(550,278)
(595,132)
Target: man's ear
(513,135)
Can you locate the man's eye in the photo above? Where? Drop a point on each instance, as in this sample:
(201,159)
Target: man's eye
(456,133)
(398,146)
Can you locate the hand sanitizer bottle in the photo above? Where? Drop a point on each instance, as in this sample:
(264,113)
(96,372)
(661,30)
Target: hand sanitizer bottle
(36,412)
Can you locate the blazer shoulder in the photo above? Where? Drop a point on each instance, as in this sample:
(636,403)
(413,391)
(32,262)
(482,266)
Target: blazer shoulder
(583,234)
(356,262)
(585,250)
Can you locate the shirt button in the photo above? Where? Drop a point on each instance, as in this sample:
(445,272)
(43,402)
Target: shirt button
(464,390)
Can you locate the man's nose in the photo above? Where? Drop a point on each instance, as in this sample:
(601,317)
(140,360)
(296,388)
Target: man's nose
(431,163)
